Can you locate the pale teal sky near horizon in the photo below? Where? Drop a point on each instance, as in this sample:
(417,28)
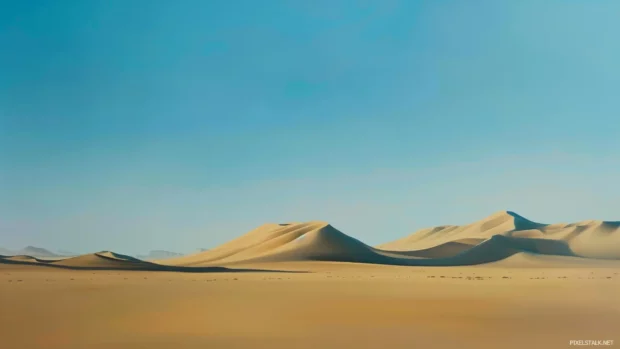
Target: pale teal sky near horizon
(139,125)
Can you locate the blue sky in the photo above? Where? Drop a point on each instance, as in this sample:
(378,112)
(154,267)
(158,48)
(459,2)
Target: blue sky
(139,125)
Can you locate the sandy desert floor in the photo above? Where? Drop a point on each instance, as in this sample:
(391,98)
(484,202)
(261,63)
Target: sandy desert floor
(334,305)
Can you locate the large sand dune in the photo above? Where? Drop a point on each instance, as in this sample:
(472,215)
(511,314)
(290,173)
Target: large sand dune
(498,223)
(590,239)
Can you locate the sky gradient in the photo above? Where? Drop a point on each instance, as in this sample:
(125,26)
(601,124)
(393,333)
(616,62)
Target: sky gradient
(151,124)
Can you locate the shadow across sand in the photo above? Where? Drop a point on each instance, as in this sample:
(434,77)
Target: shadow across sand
(151,267)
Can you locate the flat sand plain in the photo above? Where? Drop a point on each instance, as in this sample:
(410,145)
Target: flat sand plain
(321,305)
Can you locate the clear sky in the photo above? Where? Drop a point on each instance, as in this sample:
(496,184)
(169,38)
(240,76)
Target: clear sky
(133,125)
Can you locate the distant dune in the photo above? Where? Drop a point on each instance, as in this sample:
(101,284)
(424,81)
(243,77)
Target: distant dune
(504,236)
(104,259)
(100,260)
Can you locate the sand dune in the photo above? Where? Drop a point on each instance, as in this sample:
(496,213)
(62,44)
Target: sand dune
(107,260)
(498,223)
(104,259)
(591,239)
(22,258)
(277,242)
(495,238)
(529,283)
(100,260)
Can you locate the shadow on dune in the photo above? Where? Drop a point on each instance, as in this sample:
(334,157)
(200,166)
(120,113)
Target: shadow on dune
(500,247)
(492,250)
(447,249)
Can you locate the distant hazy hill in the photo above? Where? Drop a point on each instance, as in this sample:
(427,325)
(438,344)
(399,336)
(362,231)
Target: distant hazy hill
(67,253)
(6,252)
(160,254)
(33,251)
(37,252)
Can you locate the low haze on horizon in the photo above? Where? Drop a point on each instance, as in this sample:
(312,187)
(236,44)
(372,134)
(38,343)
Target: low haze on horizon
(152,125)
